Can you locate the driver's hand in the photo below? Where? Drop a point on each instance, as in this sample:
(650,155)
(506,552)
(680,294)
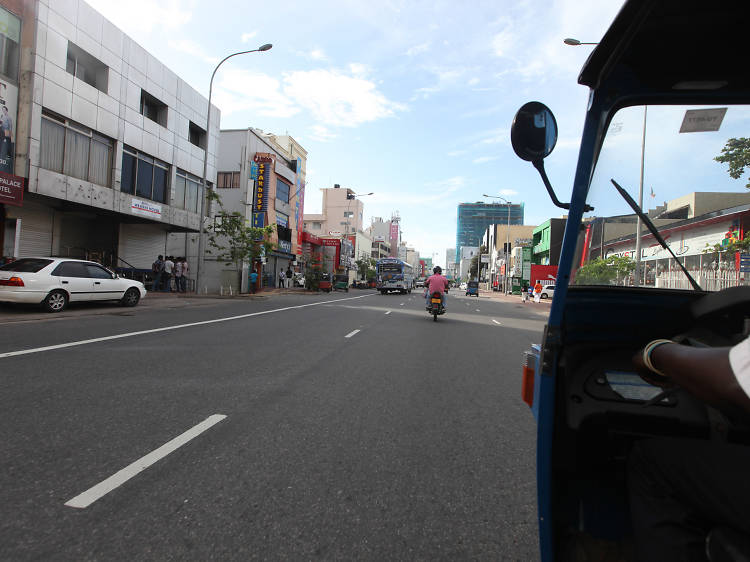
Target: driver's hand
(648,375)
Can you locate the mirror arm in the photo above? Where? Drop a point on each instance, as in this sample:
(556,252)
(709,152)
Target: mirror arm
(539,165)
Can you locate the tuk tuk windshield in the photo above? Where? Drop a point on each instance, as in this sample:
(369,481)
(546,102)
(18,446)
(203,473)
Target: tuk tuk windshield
(699,209)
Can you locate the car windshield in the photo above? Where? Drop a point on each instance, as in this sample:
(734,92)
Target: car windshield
(677,161)
(26,265)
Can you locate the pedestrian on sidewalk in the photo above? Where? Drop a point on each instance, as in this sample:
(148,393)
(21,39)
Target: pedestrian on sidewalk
(537,292)
(167,274)
(178,274)
(185,269)
(156,271)
(289,276)
(253,280)
(525,293)
(282,279)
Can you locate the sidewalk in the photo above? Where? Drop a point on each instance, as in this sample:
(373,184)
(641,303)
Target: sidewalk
(542,306)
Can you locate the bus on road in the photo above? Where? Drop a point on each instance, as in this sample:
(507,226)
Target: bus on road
(394,274)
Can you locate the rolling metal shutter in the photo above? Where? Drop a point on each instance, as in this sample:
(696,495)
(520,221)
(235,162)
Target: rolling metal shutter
(141,243)
(36,230)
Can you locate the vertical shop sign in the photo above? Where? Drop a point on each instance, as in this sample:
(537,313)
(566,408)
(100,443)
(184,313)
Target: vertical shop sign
(10,30)
(299,205)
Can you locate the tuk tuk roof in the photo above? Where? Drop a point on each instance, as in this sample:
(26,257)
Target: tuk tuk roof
(674,45)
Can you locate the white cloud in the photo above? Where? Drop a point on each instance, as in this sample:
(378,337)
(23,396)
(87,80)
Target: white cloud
(508,192)
(191,48)
(317,54)
(138,16)
(484,159)
(454,153)
(240,90)
(322,134)
(416,49)
(334,99)
(247,36)
(337,99)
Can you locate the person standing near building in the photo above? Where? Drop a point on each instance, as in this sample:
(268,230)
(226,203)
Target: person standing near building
(185,269)
(156,271)
(168,269)
(178,275)
(253,280)
(282,279)
(289,276)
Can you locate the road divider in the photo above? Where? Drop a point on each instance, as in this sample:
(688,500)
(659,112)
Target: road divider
(85,499)
(168,328)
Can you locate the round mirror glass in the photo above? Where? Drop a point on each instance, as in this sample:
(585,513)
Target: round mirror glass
(534,131)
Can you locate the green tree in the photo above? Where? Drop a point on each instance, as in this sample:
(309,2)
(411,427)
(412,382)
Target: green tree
(604,271)
(234,241)
(736,153)
(366,268)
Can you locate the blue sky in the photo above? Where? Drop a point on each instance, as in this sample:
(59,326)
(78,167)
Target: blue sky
(412,100)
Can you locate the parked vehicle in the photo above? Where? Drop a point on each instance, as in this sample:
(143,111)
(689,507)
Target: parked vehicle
(472,289)
(436,307)
(54,282)
(325,282)
(615,295)
(548,291)
(298,280)
(341,282)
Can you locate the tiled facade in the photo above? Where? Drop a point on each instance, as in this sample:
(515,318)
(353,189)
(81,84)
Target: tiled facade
(91,81)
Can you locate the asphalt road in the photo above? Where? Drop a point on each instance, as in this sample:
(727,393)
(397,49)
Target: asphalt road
(356,428)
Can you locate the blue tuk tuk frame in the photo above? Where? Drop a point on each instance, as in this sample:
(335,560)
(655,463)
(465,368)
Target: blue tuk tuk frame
(650,46)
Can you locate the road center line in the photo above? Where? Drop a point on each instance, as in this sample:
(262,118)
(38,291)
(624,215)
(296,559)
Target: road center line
(388,312)
(350,334)
(168,328)
(401,304)
(496,322)
(104,487)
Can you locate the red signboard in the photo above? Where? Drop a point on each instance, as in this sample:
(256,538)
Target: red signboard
(11,189)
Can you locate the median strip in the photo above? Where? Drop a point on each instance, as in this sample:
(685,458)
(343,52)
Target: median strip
(104,487)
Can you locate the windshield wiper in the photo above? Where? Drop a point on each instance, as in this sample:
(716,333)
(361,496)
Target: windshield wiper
(644,217)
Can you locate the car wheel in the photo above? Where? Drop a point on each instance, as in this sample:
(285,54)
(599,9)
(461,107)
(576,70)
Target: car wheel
(131,297)
(543,296)
(56,301)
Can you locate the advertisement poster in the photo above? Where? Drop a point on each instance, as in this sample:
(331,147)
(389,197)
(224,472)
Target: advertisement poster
(10,29)
(145,209)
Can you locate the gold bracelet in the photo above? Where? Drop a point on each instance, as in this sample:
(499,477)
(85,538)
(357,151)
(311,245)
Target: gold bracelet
(648,350)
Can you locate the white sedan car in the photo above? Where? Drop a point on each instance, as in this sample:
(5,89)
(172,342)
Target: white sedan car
(548,292)
(53,282)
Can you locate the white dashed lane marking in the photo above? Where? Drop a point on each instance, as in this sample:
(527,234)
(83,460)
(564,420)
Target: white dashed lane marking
(350,334)
(104,487)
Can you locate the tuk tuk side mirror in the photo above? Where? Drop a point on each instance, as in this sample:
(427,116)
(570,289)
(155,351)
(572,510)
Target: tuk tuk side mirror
(533,135)
(534,132)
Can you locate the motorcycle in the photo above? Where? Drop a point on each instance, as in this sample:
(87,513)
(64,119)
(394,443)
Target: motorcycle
(436,307)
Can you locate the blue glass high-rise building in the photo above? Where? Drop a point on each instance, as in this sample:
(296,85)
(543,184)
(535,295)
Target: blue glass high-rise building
(474,218)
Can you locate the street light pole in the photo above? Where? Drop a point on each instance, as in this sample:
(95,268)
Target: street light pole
(199,271)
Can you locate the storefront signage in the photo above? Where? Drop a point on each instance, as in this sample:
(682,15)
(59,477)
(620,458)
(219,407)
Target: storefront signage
(11,189)
(260,198)
(253,171)
(285,246)
(299,205)
(145,209)
(259,220)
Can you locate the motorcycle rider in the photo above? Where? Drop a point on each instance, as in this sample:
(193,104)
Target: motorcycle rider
(435,283)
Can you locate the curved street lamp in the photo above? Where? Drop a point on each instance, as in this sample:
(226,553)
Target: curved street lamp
(575,42)
(199,271)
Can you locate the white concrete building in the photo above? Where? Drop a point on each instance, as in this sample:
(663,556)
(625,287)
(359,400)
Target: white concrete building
(115,146)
